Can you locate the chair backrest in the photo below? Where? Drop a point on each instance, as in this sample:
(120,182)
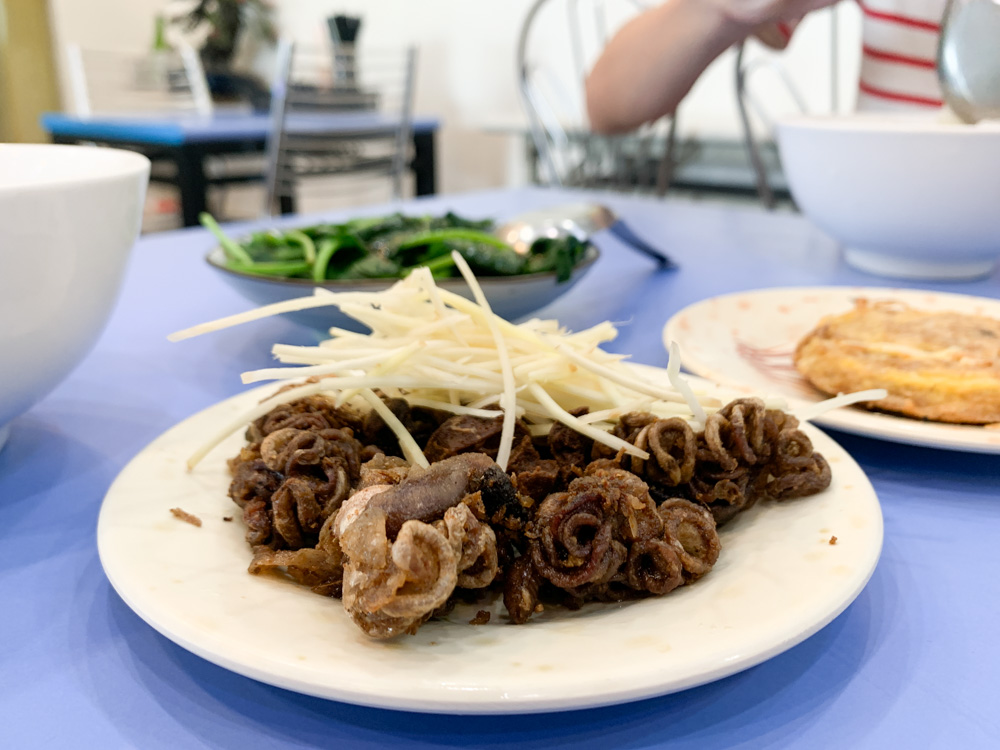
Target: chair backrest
(339,114)
(756,113)
(559,42)
(112,82)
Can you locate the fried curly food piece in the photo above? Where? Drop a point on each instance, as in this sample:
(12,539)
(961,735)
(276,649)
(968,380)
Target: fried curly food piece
(289,515)
(748,452)
(582,536)
(315,412)
(745,452)
(671,443)
(571,523)
(291,481)
(942,366)
(252,480)
(474,545)
(391,587)
(418,421)
(692,527)
(310,567)
(521,589)
(321,567)
(569,449)
(654,565)
(604,539)
(464,434)
(407,546)
(295,512)
(426,494)
(383,469)
(532,475)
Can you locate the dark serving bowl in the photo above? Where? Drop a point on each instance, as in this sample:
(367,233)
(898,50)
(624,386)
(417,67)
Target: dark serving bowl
(511,297)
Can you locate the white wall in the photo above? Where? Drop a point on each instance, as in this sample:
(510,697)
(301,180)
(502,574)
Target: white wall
(467,73)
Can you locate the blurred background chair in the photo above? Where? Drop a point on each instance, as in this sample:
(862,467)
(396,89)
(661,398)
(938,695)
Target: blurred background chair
(157,83)
(341,124)
(136,83)
(759,110)
(558,44)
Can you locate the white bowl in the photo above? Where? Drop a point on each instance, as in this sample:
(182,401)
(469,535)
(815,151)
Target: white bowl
(68,217)
(907,197)
(510,297)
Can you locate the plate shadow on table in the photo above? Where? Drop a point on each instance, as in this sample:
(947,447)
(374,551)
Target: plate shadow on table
(70,464)
(947,471)
(225,710)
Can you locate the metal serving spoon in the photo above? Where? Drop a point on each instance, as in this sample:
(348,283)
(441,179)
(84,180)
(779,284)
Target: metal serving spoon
(968,60)
(582,220)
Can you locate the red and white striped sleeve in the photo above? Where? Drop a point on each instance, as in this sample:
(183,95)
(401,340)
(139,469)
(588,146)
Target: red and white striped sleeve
(899,47)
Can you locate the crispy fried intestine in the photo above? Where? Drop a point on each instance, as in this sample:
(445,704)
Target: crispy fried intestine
(572,522)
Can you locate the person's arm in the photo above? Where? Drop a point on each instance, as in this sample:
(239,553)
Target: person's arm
(654,60)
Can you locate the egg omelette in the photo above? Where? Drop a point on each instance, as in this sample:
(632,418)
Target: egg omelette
(940,366)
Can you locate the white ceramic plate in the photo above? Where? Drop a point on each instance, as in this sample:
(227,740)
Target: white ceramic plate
(746,341)
(777,582)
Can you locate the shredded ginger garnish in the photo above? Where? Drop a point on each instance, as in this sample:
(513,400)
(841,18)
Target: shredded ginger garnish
(443,351)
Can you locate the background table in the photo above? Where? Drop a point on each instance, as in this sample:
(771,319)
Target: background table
(188,141)
(912,663)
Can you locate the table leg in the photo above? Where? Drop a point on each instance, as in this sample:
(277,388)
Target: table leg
(423,164)
(191,182)
(286,204)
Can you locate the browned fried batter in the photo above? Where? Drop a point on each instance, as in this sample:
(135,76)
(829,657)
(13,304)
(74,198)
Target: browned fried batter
(520,591)
(942,366)
(572,521)
(186,517)
(692,530)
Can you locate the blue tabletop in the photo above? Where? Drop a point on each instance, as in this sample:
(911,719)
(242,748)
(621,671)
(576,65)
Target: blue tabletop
(176,130)
(911,663)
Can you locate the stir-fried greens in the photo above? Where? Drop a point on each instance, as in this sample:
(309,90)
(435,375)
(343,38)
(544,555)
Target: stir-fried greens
(390,247)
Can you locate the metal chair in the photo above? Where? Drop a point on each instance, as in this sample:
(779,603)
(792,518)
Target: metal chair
(154,84)
(747,102)
(138,84)
(127,83)
(551,81)
(341,122)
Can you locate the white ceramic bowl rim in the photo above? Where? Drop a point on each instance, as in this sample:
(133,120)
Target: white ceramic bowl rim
(873,122)
(42,166)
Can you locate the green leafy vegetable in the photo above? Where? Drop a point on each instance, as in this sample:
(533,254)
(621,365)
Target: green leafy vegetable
(304,241)
(390,247)
(234,251)
(559,255)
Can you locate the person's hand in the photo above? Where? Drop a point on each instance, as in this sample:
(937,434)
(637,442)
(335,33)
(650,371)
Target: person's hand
(775,35)
(653,60)
(755,14)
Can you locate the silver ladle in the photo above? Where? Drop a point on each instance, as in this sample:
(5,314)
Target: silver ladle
(582,220)
(968,59)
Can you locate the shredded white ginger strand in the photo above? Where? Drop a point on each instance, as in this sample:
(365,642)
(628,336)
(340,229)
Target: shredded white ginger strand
(411,451)
(674,374)
(508,398)
(844,399)
(437,348)
(321,298)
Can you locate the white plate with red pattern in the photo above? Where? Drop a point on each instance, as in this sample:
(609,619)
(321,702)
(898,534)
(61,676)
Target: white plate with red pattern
(781,577)
(746,341)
